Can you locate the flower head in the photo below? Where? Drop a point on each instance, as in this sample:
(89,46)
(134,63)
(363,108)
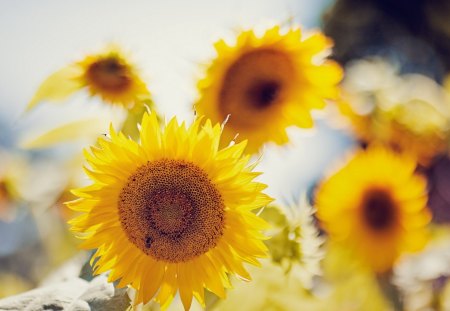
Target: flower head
(171,213)
(295,240)
(107,74)
(377,205)
(267,83)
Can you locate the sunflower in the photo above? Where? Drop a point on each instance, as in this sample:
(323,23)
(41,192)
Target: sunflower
(14,172)
(108,75)
(268,83)
(5,199)
(377,205)
(173,212)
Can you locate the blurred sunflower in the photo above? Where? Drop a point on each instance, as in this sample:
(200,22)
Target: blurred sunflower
(268,83)
(173,212)
(408,113)
(108,75)
(376,205)
(7,194)
(13,173)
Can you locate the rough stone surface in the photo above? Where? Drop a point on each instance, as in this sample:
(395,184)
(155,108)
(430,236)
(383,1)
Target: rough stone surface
(72,295)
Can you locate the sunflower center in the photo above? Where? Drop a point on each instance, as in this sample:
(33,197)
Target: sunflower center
(109,74)
(171,210)
(255,85)
(379,209)
(263,93)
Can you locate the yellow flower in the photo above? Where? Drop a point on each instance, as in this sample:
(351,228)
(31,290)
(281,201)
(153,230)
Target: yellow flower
(173,212)
(108,75)
(376,205)
(14,172)
(267,83)
(5,199)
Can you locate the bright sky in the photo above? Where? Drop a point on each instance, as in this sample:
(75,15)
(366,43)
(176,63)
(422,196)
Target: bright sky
(167,40)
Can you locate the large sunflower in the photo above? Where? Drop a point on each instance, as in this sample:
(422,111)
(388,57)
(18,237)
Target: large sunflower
(107,74)
(377,205)
(268,83)
(173,212)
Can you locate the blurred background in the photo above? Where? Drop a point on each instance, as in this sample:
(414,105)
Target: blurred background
(396,55)
(168,41)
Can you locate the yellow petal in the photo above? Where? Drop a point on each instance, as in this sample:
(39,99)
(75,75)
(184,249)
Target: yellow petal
(67,132)
(58,86)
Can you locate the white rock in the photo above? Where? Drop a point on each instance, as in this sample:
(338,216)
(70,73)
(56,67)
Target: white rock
(73,295)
